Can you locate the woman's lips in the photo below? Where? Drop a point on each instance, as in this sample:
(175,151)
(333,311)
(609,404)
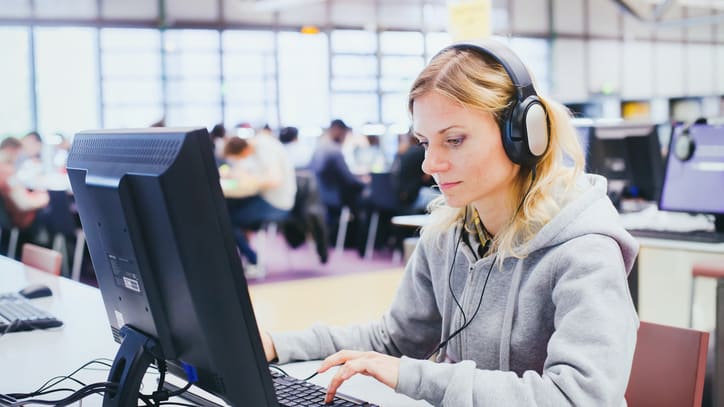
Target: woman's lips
(446,186)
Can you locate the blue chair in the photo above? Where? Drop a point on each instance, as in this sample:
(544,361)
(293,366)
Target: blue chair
(382,199)
(62,226)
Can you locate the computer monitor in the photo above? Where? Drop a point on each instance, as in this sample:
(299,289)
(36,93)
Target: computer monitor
(168,269)
(629,156)
(694,177)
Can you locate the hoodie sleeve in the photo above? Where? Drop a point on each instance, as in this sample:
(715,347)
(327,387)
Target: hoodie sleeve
(410,327)
(589,354)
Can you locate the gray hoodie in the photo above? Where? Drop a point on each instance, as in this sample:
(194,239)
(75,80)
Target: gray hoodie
(557,328)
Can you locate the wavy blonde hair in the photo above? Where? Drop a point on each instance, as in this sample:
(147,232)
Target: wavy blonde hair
(481,84)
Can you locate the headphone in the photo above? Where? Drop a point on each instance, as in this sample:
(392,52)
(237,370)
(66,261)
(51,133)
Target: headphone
(524,126)
(685,146)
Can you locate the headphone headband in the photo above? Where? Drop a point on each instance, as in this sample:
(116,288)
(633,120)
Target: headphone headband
(514,67)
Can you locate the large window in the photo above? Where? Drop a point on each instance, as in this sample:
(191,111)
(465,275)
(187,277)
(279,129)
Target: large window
(15,103)
(66,79)
(402,60)
(193,70)
(131,77)
(249,84)
(354,95)
(303,79)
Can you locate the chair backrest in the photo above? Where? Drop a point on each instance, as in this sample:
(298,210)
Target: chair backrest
(61,219)
(382,193)
(41,258)
(668,367)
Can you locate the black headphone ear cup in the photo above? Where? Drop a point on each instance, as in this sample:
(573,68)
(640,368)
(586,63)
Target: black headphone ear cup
(684,146)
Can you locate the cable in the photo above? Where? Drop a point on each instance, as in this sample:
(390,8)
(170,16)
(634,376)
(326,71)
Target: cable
(276,367)
(9,327)
(79,394)
(466,323)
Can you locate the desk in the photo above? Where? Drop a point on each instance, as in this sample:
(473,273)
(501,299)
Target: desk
(664,282)
(28,359)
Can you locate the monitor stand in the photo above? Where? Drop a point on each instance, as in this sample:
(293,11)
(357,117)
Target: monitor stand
(135,355)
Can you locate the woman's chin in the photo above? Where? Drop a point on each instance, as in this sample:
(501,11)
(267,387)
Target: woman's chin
(454,202)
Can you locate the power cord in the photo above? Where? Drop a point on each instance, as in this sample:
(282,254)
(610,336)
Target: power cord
(276,367)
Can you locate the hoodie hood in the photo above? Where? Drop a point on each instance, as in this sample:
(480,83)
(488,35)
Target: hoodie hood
(591,212)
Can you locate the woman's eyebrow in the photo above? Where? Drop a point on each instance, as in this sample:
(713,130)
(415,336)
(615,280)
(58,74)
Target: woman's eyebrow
(441,131)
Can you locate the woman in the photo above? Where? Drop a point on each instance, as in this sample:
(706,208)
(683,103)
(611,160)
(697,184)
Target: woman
(518,285)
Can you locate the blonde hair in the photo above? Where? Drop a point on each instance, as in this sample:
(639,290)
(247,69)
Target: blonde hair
(481,84)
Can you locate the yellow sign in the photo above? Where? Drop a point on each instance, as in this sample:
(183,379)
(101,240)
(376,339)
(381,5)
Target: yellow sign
(470,19)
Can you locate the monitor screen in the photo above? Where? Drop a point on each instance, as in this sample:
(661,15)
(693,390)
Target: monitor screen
(629,156)
(694,178)
(160,240)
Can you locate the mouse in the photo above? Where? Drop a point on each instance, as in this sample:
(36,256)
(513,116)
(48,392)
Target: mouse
(36,291)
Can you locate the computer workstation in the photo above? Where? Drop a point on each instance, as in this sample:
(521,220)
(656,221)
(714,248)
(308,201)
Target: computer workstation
(693,183)
(169,272)
(628,154)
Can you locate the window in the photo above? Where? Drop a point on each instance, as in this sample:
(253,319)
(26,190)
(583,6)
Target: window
(15,105)
(131,77)
(193,69)
(535,53)
(303,79)
(355,76)
(249,81)
(66,79)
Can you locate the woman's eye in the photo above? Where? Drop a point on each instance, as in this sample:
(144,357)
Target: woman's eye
(455,141)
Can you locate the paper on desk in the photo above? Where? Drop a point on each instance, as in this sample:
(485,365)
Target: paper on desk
(653,219)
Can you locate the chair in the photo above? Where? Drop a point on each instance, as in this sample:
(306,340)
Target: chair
(668,367)
(707,270)
(383,198)
(6,224)
(47,260)
(63,227)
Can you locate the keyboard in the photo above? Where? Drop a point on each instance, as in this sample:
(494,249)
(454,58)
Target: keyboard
(18,314)
(292,392)
(702,236)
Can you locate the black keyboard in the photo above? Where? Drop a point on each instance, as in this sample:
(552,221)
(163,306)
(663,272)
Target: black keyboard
(18,314)
(292,392)
(702,236)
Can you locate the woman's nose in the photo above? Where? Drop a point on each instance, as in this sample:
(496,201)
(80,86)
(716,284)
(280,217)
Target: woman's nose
(434,162)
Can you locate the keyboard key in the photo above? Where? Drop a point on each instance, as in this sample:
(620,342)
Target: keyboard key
(292,392)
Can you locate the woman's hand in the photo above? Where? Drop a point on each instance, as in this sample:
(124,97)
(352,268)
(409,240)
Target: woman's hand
(384,368)
(270,351)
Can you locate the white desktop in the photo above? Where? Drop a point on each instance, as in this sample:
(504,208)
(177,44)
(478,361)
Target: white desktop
(29,359)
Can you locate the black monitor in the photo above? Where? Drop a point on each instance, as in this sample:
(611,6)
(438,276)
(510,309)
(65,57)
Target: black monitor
(169,272)
(694,178)
(629,156)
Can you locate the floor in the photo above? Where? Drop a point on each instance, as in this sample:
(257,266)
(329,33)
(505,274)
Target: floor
(282,263)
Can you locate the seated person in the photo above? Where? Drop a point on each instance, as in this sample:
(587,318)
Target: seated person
(338,187)
(19,203)
(260,189)
(516,294)
(413,186)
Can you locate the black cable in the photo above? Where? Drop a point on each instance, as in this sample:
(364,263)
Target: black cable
(47,384)
(9,327)
(452,266)
(276,367)
(485,284)
(79,394)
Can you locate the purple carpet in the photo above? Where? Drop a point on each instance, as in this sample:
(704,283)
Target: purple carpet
(282,263)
